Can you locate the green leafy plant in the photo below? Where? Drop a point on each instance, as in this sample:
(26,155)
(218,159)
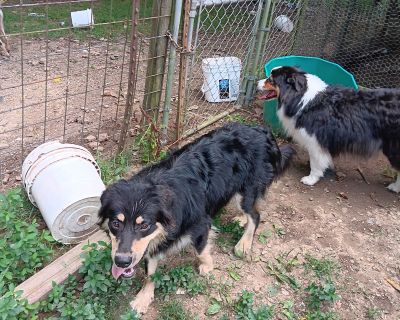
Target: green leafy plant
(182,277)
(286,262)
(88,298)
(264,236)
(24,247)
(319,296)
(130,315)
(373,313)
(287,310)
(281,275)
(12,307)
(114,169)
(213,308)
(280,232)
(149,145)
(229,233)
(244,308)
(323,268)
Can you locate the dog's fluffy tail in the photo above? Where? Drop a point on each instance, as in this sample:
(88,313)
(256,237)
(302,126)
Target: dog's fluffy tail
(287,153)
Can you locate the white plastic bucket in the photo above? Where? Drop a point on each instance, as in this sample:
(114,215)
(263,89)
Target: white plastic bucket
(63,181)
(221,78)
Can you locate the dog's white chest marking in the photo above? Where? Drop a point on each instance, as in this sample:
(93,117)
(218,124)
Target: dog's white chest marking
(314,86)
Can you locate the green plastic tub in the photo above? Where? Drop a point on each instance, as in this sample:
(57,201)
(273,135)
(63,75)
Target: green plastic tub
(328,71)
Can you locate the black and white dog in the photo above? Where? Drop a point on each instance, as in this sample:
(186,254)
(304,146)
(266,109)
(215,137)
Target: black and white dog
(330,120)
(169,205)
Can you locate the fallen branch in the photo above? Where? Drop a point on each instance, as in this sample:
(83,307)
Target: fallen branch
(362,175)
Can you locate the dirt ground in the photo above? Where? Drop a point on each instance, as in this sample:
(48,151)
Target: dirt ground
(354,223)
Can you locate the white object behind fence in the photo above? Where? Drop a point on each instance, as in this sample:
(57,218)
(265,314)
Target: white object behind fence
(82,19)
(63,181)
(221,78)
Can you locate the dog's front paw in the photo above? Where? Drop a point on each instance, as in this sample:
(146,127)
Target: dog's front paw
(243,248)
(142,302)
(395,187)
(310,180)
(205,268)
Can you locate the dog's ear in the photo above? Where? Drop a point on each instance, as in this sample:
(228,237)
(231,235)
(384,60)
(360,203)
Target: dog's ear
(105,200)
(295,82)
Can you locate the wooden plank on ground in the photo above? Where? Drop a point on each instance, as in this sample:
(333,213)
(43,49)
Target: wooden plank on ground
(40,284)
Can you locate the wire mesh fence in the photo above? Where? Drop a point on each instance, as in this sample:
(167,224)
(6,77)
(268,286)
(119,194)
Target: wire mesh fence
(69,84)
(94,86)
(363,36)
(223,31)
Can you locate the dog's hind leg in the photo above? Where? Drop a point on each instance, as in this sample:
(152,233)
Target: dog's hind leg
(243,247)
(241,219)
(395,186)
(391,150)
(146,295)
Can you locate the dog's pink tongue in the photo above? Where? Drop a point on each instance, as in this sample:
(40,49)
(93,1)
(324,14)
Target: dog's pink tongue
(116,271)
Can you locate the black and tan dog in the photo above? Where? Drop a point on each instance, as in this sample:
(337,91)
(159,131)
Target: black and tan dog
(169,205)
(332,120)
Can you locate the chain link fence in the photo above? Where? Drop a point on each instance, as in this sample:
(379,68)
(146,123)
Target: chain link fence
(222,36)
(363,36)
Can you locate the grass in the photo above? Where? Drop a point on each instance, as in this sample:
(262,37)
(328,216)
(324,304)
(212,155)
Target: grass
(57,19)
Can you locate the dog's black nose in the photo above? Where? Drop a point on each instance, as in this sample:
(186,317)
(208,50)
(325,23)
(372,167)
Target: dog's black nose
(122,261)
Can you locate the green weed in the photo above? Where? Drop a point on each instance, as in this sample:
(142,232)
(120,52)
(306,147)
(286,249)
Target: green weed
(264,236)
(320,295)
(287,310)
(182,277)
(24,247)
(149,145)
(114,169)
(228,233)
(323,268)
(130,315)
(89,297)
(237,117)
(244,308)
(373,313)
(279,231)
(286,262)
(280,274)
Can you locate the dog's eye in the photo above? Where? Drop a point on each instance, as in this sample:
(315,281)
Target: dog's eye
(144,227)
(115,224)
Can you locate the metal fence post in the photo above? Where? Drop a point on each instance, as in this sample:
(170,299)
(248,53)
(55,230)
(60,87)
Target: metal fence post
(171,68)
(264,28)
(131,81)
(183,71)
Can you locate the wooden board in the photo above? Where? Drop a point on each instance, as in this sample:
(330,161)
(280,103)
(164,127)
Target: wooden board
(40,284)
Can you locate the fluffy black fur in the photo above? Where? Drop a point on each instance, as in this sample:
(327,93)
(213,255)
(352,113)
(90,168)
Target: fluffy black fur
(341,120)
(185,190)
